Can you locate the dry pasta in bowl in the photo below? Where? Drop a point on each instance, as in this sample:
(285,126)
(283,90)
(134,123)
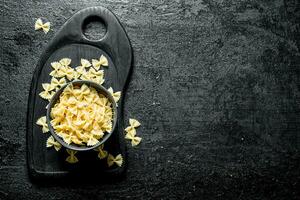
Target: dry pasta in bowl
(82,115)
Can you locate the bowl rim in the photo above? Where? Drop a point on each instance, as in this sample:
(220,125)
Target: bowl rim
(55,97)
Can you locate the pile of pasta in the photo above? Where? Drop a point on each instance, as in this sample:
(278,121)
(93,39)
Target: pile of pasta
(82,115)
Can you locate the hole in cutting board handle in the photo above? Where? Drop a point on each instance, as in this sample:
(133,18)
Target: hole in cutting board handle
(94,28)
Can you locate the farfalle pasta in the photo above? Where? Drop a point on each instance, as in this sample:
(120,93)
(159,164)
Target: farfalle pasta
(101,152)
(111,160)
(57,83)
(52,143)
(47,93)
(42,122)
(101,62)
(40,25)
(71,158)
(131,132)
(116,95)
(82,115)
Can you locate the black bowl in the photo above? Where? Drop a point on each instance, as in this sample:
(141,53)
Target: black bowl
(100,89)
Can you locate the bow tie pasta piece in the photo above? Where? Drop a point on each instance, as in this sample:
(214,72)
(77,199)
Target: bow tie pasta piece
(86,76)
(92,141)
(102,153)
(56,72)
(101,62)
(71,158)
(116,95)
(130,130)
(118,160)
(42,122)
(81,92)
(56,84)
(65,62)
(134,139)
(93,73)
(80,70)
(39,25)
(67,72)
(95,76)
(134,123)
(47,94)
(52,143)
(85,63)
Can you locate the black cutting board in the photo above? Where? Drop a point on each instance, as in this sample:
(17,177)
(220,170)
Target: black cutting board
(70,42)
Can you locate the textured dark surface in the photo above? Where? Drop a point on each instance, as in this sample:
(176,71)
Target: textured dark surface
(215,85)
(70,42)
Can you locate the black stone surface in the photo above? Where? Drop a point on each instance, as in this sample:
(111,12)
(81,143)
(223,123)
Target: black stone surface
(215,85)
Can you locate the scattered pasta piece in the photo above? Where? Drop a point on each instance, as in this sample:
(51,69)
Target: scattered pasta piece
(131,132)
(116,95)
(101,62)
(56,84)
(85,63)
(65,62)
(71,158)
(46,94)
(96,76)
(86,76)
(134,123)
(42,122)
(134,139)
(67,72)
(39,25)
(118,160)
(56,70)
(93,73)
(52,143)
(80,70)
(82,115)
(102,153)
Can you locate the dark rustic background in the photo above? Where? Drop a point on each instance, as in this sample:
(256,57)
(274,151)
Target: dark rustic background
(215,85)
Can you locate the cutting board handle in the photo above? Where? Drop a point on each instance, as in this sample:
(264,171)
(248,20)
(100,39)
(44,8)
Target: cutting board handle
(107,17)
(72,31)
